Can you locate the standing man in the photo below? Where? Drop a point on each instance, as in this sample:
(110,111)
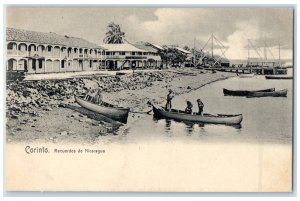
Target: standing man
(200,106)
(170,96)
(98,97)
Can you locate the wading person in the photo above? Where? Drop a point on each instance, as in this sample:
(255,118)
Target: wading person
(200,106)
(189,107)
(170,96)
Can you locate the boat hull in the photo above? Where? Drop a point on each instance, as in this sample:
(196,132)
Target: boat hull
(276,77)
(228,92)
(281,93)
(116,113)
(206,118)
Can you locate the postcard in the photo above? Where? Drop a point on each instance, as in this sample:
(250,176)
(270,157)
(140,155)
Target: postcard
(140,99)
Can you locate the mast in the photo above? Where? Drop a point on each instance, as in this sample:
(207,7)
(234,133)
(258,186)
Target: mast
(248,52)
(194,52)
(279,56)
(212,45)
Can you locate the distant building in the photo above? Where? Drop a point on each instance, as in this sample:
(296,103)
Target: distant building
(127,56)
(39,52)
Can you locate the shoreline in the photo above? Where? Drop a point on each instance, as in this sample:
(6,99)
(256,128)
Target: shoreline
(58,119)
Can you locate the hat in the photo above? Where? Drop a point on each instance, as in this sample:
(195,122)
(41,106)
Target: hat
(198,100)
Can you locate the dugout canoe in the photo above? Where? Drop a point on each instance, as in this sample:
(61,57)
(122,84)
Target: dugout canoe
(278,77)
(160,112)
(228,92)
(106,109)
(281,93)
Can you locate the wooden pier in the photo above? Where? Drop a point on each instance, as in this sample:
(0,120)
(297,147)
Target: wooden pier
(257,70)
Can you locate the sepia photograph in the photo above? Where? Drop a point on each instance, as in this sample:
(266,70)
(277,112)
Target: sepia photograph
(149,99)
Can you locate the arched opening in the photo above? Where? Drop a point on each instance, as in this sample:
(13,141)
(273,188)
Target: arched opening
(12,48)
(11,65)
(56,65)
(41,50)
(32,50)
(56,51)
(49,50)
(22,49)
(23,65)
(70,52)
(63,63)
(64,52)
(49,65)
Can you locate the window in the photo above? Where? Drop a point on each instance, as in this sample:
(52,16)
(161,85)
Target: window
(122,53)
(91,63)
(132,53)
(62,64)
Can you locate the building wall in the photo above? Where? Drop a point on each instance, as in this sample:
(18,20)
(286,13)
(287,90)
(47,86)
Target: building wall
(47,58)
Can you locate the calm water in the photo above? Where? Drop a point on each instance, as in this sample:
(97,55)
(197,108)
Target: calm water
(265,120)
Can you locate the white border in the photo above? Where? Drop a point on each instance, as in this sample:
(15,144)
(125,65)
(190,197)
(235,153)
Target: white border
(152,3)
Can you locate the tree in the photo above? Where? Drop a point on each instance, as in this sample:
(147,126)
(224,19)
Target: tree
(114,35)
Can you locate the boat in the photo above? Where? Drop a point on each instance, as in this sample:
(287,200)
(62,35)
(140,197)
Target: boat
(160,112)
(281,93)
(106,109)
(246,75)
(278,77)
(228,92)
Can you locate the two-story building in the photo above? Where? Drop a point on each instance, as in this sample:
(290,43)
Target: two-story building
(128,56)
(39,52)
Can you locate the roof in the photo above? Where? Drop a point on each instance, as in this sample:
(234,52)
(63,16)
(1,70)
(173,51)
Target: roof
(124,47)
(22,35)
(156,46)
(146,48)
(183,50)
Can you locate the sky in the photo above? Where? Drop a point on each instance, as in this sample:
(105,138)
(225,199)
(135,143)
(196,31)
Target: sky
(264,27)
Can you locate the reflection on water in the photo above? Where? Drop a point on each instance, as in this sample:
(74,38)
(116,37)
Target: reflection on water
(267,120)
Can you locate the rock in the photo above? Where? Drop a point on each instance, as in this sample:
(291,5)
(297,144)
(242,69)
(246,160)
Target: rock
(14,116)
(64,133)
(188,87)
(89,84)
(81,120)
(47,108)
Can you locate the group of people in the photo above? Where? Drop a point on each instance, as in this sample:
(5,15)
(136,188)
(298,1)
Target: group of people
(94,96)
(189,107)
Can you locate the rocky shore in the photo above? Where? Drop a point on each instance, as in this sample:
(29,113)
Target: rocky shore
(46,111)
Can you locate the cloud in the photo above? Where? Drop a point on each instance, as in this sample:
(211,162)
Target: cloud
(232,26)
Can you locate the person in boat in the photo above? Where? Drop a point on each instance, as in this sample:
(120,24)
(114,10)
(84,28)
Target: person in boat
(98,97)
(88,95)
(170,96)
(200,106)
(189,107)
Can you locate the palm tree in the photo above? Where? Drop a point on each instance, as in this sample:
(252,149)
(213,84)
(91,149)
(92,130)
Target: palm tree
(114,35)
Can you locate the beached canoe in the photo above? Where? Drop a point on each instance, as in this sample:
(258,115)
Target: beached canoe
(278,77)
(228,92)
(106,109)
(281,93)
(160,112)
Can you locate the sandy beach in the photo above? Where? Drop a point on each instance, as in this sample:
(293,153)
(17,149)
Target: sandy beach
(64,121)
